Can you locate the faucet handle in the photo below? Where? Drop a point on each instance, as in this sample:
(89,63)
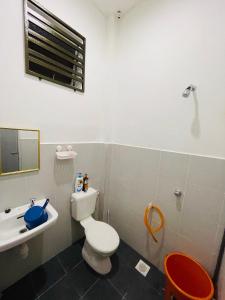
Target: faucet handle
(32,201)
(178,193)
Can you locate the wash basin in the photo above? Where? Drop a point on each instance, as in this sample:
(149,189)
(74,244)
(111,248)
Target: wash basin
(13,229)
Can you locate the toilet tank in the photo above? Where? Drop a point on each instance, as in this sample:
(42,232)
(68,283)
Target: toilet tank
(83,204)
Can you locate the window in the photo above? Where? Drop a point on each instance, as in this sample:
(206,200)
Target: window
(53,50)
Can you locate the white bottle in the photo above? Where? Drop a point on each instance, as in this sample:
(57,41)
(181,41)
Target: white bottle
(78,183)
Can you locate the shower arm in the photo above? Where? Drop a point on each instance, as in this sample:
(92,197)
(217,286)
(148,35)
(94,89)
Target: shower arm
(188,90)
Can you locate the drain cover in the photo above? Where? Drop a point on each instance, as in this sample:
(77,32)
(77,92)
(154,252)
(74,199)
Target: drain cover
(23,230)
(142,267)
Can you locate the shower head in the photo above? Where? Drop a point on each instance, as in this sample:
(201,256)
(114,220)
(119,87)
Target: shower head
(188,90)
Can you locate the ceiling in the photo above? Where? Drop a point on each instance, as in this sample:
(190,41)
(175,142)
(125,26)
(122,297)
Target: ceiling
(108,7)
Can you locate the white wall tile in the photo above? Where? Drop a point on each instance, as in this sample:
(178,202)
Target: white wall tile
(170,205)
(207,172)
(201,212)
(140,175)
(173,167)
(128,179)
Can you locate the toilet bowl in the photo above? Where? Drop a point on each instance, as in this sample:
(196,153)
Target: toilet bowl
(102,240)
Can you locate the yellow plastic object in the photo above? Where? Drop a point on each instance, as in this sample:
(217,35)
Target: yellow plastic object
(153,230)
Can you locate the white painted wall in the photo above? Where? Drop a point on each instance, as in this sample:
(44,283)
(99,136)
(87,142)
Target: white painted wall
(163,46)
(61,114)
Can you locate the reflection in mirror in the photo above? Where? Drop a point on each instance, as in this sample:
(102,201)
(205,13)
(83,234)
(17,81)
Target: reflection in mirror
(19,150)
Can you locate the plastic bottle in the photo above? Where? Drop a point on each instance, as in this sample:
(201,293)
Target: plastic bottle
(78,183)
(85,182)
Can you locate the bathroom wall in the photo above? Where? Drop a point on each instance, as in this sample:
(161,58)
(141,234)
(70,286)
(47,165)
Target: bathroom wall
(193,223)
(61,114)
(54,180)
(161,141)
(162,47)
(221,286)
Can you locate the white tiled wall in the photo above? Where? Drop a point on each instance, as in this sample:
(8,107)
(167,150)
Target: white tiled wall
(128,178)
(54,180)
(194,222)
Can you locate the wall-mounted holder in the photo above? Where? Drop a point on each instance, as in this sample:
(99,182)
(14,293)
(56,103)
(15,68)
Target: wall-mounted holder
(68,154)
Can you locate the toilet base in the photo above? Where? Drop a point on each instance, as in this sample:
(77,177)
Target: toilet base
(101,264)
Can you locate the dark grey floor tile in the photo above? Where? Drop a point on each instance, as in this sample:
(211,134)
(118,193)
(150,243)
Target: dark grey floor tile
(141,290)
(81,242)
(51,282)
(102,290)
(46,275)
(71,256)
(22,289)
(63,290)
(83,277)
(122,276)
(127,254)
(156,279)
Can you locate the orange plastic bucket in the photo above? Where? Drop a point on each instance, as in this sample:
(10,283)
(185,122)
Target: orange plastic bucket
(186,279)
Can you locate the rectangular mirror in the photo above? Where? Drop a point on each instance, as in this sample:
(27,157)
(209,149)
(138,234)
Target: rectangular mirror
(19,150)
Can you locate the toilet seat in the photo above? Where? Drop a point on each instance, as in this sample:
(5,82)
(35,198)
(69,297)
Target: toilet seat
(102,237)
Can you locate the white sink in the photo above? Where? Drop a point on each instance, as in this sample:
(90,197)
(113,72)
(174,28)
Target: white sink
(11,226)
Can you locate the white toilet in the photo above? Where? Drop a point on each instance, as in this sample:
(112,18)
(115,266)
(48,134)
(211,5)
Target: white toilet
(102,240)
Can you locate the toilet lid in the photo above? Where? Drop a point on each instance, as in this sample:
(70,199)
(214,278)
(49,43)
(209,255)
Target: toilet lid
(102,237)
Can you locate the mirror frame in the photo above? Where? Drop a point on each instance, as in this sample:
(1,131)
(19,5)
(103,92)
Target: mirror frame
(29,170)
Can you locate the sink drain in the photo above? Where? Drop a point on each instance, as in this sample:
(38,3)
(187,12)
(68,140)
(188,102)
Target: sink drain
(23,230)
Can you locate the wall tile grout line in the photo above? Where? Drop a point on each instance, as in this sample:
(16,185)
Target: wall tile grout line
(187,175)
(158,176)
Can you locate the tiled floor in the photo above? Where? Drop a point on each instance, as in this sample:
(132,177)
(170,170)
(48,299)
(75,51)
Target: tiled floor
(68,277)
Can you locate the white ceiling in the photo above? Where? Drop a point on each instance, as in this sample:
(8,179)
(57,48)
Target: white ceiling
(112,6)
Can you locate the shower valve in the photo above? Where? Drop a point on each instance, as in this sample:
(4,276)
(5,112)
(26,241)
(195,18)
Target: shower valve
(178,193)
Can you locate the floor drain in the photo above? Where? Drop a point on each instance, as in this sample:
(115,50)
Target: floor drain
(23,230)
(142,267)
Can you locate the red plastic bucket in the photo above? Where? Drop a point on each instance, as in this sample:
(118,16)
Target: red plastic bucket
(186,279)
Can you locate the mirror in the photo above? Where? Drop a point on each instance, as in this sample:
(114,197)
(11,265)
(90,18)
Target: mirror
(19,150)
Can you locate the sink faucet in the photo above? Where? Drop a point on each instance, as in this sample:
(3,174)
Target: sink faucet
(32,200)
